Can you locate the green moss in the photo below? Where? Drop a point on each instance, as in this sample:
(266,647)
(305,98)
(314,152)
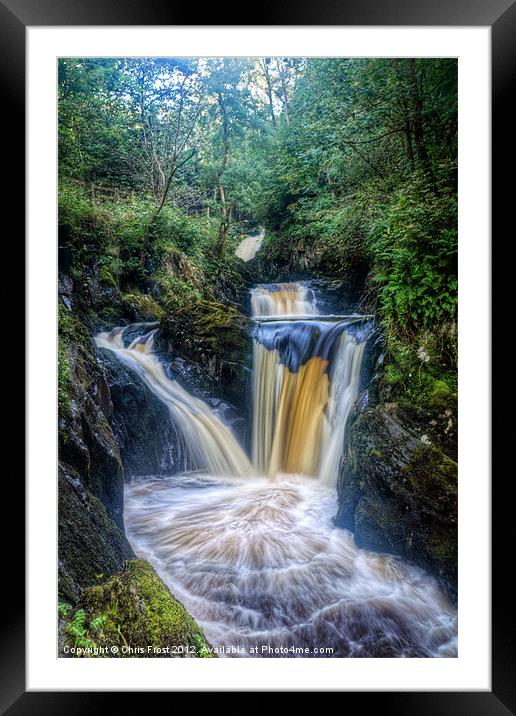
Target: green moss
(64,380)
(179,293)
(420,371)
(441,547)
(106,278)
(71,330)
(211,317)
(135,610)
(111,314)
(432,475)
(393,375)
(143,306)
(440,394)
(213,327)
(72,336)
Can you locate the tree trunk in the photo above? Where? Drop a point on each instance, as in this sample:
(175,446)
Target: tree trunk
(404,97)
(408,145)
(175,165)
(283,90)
(269,90)
(224,209)
(417,118)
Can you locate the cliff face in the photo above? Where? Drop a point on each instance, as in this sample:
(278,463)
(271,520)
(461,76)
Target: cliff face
(112,428)
(91,525)
(397,491)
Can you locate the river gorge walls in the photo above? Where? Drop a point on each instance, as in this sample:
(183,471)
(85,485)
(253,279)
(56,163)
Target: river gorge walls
(398,482)
(397,491)
(110,426)
(91,526)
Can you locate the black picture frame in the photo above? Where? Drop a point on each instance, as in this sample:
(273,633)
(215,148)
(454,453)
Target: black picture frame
(500,15)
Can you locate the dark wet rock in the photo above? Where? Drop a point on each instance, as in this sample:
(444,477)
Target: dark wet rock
(397,492)
(137,330)
(65,289)
(91,482)
(148,442)
(91,544)
(301,260)
(87,442)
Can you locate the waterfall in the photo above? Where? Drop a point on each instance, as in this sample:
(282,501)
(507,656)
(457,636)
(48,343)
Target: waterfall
(209,443)
(258,561)
(282,299)
(306,379)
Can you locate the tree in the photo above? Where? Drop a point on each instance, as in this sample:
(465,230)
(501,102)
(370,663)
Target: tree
(169,97)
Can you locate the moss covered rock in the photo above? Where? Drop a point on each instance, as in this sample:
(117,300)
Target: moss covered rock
(142,307)
(134,614)
(217,338)
(398,492)
(90,544)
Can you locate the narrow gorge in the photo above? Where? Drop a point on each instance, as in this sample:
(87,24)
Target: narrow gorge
(249,545)
(257,361)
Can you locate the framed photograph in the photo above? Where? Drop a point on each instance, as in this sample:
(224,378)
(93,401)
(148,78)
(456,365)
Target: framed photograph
(258,355)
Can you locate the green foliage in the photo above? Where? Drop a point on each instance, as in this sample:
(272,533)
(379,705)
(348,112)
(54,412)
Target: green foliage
(192,235)
(64,609)
(81,632)
(110,269)
(414,249)
(178,292)
(422,371)
(135,609)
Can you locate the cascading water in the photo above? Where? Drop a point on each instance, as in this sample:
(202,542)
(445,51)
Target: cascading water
(306,378)
(209,444)
(251,550)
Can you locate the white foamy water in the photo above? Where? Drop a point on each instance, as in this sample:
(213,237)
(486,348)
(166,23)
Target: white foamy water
(258,563)
(249,247)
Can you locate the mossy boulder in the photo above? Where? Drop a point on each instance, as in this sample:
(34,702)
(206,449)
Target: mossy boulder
(397,492)
(215,337)
(134,614)
(142,307)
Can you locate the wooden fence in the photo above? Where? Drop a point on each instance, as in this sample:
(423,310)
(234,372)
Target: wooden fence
(98,192)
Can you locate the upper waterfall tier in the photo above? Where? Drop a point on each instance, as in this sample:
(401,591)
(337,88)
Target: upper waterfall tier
(282,299)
